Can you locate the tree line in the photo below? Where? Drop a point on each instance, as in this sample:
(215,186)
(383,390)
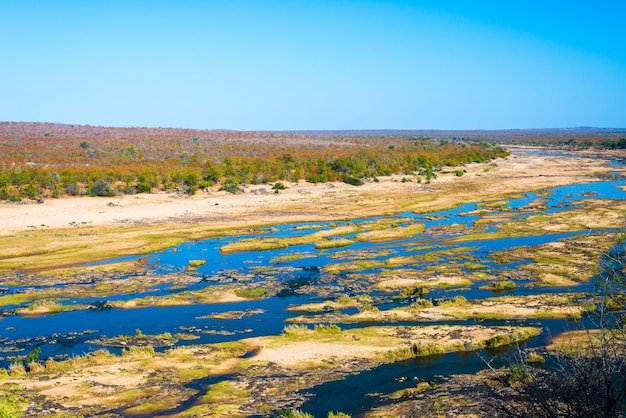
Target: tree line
(110,161)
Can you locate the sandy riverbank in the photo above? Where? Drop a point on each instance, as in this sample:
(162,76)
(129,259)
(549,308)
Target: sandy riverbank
(302,201)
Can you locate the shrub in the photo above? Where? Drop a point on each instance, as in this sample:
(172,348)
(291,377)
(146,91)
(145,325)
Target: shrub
(101,188)
(72,189)
(354,181)
(504,286)
(279,186)
(144,187)
(413,291)
(230,186)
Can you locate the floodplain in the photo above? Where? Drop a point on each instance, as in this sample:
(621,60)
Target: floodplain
(384,292)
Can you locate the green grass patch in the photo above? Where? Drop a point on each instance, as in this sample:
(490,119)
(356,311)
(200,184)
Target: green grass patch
(327,329)
(252,293)
(225,392)
(474,266)
(290,257)
(333,243)
(391,233)
(196,263)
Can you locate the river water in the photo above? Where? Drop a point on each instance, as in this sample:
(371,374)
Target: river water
(69,333)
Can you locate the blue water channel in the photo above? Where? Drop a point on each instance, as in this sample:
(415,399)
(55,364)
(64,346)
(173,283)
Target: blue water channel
(70,333)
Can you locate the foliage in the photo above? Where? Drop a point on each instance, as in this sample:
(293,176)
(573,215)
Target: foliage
(71,159)
(504,286)
(101,188)
(279,186)
(11,405)
(230,186)
(354,181)
(32,356)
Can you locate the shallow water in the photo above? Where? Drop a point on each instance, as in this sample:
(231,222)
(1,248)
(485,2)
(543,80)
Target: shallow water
(64,334)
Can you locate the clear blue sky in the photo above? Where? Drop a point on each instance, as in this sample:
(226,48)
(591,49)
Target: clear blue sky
(336,64)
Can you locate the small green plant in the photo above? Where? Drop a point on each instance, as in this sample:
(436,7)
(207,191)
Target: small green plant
(517,373)
(32,356)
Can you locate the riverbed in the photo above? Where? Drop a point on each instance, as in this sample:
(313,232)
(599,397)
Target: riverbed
(460,252)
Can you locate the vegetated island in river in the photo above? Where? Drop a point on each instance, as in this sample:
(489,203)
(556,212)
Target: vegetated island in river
(112,192)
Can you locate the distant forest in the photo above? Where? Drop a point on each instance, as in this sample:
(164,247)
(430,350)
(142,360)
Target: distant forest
(41,160)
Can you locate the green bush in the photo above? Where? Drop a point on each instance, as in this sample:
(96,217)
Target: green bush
(230,186)
(144,187)
(354,181)
(279,186)
(101,188)
(502,286)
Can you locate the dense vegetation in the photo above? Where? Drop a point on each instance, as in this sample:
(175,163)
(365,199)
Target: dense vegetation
(52,160)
